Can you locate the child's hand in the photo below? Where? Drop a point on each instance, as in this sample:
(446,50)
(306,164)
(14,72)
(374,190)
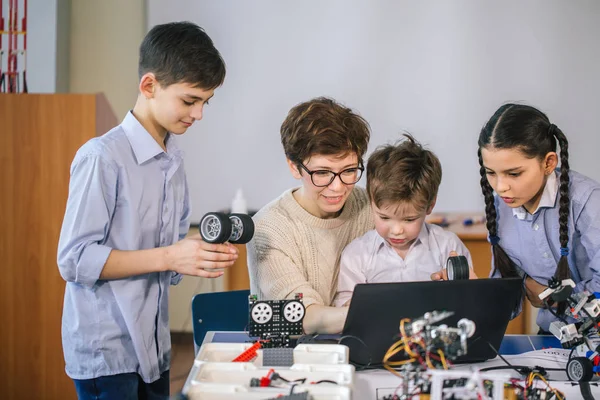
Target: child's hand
(440,275)
(533,290)
(193,256)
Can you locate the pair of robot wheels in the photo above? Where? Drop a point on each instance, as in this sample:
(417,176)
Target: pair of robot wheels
(457,268)
(262,312)
(216,227)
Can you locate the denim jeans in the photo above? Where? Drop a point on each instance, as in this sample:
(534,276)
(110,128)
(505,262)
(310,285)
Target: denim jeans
(128,386)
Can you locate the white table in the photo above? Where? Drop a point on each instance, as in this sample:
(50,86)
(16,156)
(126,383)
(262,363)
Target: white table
(517,349)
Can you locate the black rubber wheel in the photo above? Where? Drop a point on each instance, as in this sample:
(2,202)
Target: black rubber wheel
(457,268)
(215,227)
(580,369)
(242,228)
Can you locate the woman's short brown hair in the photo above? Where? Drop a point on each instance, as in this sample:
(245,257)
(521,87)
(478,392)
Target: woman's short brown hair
(323,126)
(405,172)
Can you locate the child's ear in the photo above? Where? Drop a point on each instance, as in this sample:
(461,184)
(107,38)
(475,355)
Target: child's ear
(550,162)
(294,169)
(148,85)
(431,206)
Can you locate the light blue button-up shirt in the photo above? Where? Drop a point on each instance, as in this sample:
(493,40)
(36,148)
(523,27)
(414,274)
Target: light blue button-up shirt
(125,193)
(532,240)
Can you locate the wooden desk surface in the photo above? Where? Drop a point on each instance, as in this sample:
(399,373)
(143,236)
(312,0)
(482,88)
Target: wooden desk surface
(476,231)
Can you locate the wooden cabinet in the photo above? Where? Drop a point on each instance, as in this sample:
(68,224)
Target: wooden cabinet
(236,277)
(40,135)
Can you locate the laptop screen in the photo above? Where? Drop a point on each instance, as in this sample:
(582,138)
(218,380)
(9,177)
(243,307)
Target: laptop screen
(372,324)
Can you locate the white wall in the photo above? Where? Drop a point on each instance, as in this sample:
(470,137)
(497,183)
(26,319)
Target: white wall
(41,45)
(436,71)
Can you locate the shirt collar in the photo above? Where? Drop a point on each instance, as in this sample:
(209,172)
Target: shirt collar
(423,238)
(548,198)
(143,144)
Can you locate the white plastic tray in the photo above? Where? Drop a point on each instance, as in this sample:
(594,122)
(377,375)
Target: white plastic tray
(209,391)
(303,353)
(241,373)
(215,376)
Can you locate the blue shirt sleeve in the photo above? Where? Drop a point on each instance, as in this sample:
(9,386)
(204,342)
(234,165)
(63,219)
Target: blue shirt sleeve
(82,252)
(184,227)
(587,229)
(184,222)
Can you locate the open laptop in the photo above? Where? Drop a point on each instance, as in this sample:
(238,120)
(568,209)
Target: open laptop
(377,308)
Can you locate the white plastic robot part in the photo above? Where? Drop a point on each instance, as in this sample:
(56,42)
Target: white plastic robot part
(568,333)
(549,291)
(593,308)
(467,325)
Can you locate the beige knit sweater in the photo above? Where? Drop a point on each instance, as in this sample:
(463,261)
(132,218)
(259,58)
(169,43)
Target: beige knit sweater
(295,252)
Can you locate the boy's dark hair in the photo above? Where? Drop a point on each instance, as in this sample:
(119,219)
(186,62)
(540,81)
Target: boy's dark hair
(527,129)
(181,52)
(404,172)
(323,126)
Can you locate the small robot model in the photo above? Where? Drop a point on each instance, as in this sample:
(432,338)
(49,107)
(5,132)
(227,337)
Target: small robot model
(582,335)
(425,346)
(451,341)
(274,322)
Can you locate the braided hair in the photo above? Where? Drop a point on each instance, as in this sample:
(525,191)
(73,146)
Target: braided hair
(515,126)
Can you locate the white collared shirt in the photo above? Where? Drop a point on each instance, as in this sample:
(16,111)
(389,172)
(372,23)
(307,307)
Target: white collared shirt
(548,198)
(371,259)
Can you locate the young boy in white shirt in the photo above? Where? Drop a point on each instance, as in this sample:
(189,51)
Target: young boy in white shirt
(402,184)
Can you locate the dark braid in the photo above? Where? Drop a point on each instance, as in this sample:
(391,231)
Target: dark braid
(488,195)
(562,270)
(502,261)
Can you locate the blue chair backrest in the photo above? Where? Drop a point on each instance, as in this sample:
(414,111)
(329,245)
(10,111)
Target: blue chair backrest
(219,311)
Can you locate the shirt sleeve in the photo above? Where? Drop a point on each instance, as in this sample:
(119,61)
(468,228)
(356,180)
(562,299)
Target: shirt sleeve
(462,250)
(352,272)
(184,223)
(587,228)
(82,252)
(184,226)
(453,243)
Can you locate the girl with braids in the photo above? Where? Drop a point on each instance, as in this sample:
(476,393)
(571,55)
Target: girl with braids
(543,222)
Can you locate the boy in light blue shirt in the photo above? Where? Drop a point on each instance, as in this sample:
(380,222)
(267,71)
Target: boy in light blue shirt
(122,240)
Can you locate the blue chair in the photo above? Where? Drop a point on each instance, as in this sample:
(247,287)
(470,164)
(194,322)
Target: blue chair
(219,311)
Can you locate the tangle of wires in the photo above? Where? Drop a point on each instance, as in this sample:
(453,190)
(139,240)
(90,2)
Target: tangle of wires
(416,351)
(274,379)
(527,389)
(412,354)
